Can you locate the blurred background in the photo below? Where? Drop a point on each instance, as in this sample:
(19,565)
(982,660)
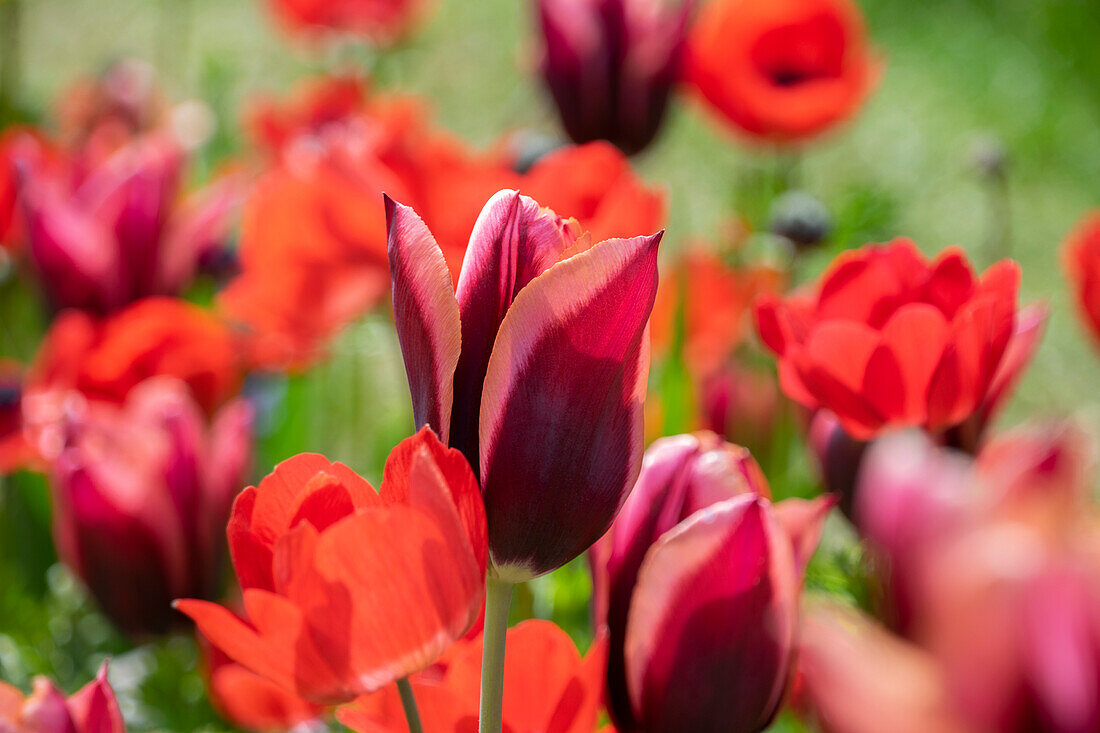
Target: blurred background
(986,124)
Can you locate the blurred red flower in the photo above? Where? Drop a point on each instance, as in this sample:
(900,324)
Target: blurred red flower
(105,358)
(548,688)
(781,71)
(887,339)
(1081,260)
(313,104)
(92,709)
(380,21)
(120,230)
(535,367)
(16,452)
(141,493)
(347,590)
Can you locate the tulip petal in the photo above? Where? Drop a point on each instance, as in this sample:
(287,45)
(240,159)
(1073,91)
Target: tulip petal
(804,521)
(426,315)
(513,241)
(94,708)
(561,412)
(715,597)
(1030,324)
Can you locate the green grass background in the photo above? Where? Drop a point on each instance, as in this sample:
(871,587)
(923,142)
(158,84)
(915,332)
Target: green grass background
(1023,72)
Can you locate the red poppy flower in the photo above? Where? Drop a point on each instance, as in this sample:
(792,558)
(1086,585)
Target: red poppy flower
(313,104)
(783,70)
(92,709)
(381,21)
(1081,259)
(595,185)
(346,589)
(886,339)
(248,700)
(140,494)
(548,688)
(105,358)
(535,367)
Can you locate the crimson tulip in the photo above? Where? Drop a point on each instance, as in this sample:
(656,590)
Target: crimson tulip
(119,232)
(140,494)
(611,65)
(699,580)
(535,369)
(92,709)
(781,71)
(548,687)
(347,589)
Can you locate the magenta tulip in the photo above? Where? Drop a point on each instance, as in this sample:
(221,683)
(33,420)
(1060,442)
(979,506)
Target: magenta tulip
(611,65)
(119,233)
(142,495)
(701,582)
(535,368)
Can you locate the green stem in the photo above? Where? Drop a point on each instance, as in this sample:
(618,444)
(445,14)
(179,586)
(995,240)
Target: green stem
(408,701)
(498,597)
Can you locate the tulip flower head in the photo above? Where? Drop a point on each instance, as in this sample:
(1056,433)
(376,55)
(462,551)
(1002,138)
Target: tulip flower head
(611,65)
(535,368)
(700,582)
(347,590)
(1081,259)
(141,493)
(93,709)
(120,232)
(781,71)
(887,339)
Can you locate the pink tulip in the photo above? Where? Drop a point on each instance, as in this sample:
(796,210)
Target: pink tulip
(701,581)
(93,709)
(142,495)
(535,368)
(119,233)
(611,65)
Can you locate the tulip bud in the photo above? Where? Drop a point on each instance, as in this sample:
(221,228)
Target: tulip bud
(93,709)
(141,494)
(700,578)
(610,66)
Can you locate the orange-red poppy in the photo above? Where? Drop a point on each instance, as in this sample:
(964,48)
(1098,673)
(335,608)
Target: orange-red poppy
(105,358)
(783,70)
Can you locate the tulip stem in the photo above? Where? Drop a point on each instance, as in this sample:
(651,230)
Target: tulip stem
(498,598)
(408,701)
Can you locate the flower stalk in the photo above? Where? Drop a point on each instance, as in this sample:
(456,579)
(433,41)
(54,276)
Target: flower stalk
(498,599)
(408,702)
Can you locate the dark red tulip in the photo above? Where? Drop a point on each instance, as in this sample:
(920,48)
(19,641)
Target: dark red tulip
(697,581)
(535,368)
(141,494)
(611,65)
(92,709)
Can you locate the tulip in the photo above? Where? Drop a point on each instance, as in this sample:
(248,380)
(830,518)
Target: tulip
(312,106)
(346,589)
(93,709)
(611,65)
(119,234)
(781,71)
(105,358)
(1081,260)
(887,339)
(535,369)
(741,404)
(140,494)
(16,452)
(680,476)
(549,688)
